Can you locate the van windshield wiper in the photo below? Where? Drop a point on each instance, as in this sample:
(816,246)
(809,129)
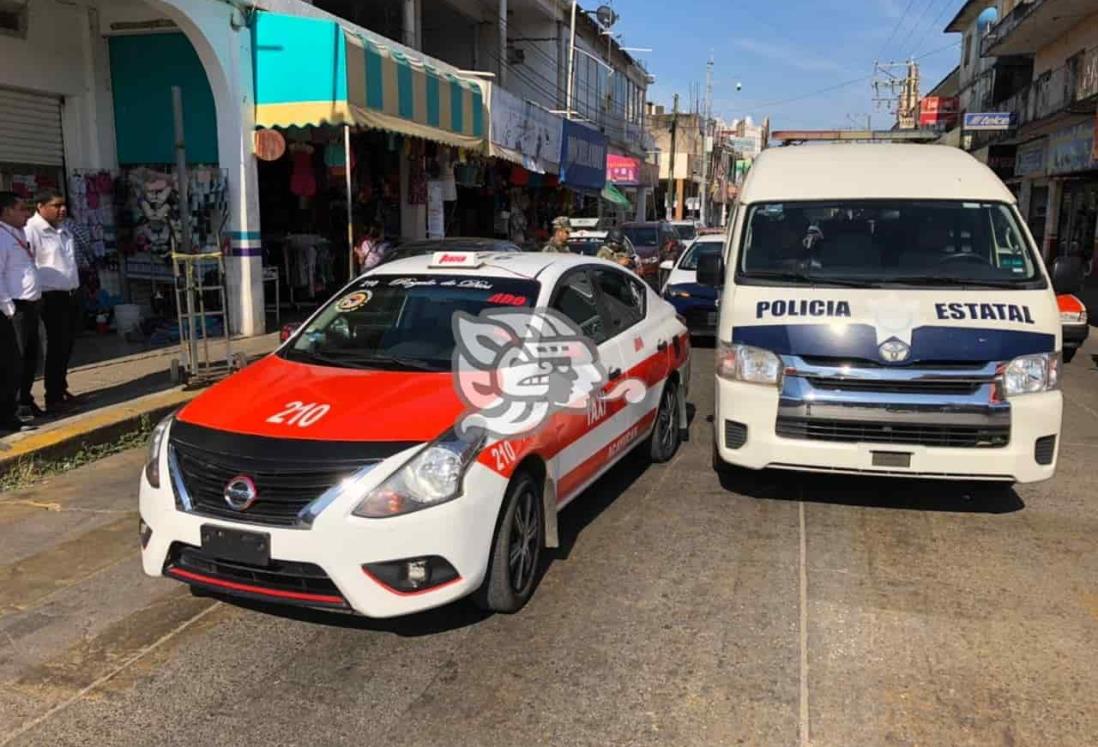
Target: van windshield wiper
(803,277)
(945,280)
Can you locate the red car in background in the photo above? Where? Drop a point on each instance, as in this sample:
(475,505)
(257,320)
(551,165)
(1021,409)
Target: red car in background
(655,242)
(1073,317)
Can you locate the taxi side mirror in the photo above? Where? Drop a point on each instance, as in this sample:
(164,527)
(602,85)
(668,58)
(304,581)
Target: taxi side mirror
(667,265)
(1067,274)
(711,270)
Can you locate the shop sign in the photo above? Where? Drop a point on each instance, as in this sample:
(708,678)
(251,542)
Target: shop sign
(270,145)
(528,130)
(1031,159)
(1094,145)
(622,170)
(938,112)
(989,120)
(582,157)
(1071,149)
(744,145)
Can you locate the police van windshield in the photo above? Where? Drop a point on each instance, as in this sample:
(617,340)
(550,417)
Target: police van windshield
(401,322)
(872,243)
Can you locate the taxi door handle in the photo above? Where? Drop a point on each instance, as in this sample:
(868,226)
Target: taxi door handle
(662,346)
(615,373)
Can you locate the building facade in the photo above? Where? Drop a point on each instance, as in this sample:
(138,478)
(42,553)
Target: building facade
(86,98)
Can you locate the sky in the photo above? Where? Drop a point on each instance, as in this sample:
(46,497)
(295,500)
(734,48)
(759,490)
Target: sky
(785,53)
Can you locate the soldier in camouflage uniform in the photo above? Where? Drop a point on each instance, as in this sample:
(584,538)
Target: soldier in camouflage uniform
(614,248)
(562,227)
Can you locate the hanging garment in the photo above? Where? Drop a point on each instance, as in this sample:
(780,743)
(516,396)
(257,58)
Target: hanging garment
(303,181)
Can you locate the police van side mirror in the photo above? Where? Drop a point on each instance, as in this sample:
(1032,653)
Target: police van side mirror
(711,270)
(1067,274)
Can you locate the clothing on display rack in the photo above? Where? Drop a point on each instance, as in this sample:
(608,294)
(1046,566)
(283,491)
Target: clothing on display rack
(303,180)
(308,262)
(92,207)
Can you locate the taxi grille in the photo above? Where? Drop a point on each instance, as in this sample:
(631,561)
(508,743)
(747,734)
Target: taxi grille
(285,581)
(284,487)
(918,434)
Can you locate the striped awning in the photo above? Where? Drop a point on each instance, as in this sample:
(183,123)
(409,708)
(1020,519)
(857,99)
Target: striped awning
(311,72)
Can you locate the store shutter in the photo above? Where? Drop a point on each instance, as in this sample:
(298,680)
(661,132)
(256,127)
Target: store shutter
(30,129)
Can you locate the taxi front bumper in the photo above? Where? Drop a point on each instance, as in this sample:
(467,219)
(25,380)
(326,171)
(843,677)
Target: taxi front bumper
(325,565)
(747,435)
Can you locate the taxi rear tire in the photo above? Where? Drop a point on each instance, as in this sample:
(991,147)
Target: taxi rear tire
(515,561)
(664,440)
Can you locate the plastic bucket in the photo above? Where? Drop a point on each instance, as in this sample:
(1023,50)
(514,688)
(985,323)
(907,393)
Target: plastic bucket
(127,317)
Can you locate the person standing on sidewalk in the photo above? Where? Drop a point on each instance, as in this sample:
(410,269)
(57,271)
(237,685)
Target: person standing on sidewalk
(54,247)
(19,296)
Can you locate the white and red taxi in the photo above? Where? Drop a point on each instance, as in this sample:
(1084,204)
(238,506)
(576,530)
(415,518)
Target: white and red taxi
(329,474)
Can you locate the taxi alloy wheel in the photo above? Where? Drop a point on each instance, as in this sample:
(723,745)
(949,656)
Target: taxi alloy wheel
(516,549)
(664,441)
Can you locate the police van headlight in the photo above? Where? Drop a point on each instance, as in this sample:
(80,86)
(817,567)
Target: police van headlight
(431,477)
(152,457)
(746,363)
(1032,373)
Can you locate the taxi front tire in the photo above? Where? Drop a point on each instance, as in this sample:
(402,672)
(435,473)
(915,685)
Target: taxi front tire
(515,561)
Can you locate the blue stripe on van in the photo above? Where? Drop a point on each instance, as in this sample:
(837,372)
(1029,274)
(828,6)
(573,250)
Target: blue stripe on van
(928,344)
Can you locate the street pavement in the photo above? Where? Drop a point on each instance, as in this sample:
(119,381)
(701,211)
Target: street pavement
(771,609)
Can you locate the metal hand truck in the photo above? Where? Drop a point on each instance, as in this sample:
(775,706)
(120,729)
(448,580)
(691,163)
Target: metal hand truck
(195,365)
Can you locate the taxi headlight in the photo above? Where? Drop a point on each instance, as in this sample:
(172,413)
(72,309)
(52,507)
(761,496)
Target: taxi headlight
(746,363)
(432,476)
(152,458)
(1032,373)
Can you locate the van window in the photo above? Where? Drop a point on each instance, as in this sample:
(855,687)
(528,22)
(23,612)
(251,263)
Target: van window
(874,242)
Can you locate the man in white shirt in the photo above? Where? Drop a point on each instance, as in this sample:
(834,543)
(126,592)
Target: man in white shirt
(54,248)
(18,310)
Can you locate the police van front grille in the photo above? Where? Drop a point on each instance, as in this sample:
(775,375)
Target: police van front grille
(915,434)
(957,387)
(284,487)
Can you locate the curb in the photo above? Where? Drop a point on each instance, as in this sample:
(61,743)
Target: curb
(95,428)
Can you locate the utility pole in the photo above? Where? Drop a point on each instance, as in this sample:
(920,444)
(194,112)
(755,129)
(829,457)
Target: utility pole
(671,191)
(901,93)
(704,196)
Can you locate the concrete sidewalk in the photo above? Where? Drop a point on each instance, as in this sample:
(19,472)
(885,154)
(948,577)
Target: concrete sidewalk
(119,393)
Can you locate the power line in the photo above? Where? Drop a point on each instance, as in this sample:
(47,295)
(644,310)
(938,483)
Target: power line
(899,22)
(942,9)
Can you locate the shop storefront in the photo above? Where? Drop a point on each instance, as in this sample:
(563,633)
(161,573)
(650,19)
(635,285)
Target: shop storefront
(583,168)
(407,127)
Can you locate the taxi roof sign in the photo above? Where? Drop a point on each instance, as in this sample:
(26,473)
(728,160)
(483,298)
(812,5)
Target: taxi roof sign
(455,259)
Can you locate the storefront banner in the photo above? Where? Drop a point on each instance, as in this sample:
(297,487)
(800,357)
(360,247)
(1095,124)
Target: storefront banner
(989,121)
(524,133)
(1071,149)
(1031,159)
(622,170)
(583,157)
(744,145)
(310,72)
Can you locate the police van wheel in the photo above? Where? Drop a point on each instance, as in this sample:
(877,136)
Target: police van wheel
(664,441)
(516,549)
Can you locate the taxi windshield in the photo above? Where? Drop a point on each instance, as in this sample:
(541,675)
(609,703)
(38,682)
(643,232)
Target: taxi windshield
(401,322)
(874,243)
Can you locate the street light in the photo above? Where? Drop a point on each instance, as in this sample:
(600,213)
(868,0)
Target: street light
(606,18)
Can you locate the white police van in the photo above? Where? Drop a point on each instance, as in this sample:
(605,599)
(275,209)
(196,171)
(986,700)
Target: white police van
(884,311)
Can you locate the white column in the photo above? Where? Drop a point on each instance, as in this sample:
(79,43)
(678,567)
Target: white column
(642,204)
(224,45)
(411,23)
